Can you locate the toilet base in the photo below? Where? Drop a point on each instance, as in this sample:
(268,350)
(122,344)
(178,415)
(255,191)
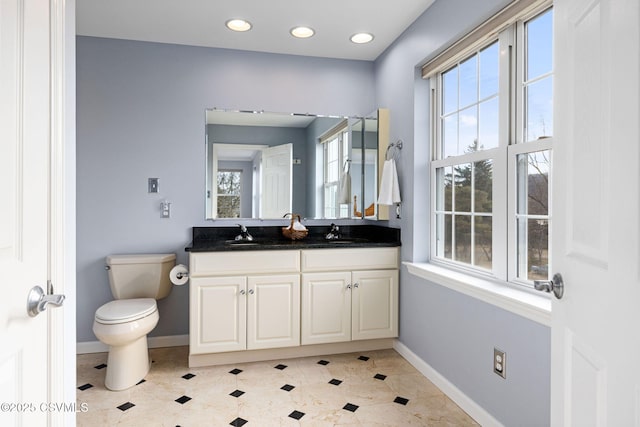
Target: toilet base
(127,365)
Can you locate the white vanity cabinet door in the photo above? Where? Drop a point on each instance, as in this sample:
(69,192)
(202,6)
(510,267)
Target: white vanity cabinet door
(218,314)
(273,311)
(374,304)
(326,307)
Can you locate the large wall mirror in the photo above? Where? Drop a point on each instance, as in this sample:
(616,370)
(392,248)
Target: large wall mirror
(265,165)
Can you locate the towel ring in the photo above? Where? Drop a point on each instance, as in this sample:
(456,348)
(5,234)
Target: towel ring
(396,146)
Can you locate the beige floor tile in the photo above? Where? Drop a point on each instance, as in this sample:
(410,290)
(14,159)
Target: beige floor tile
(208,400)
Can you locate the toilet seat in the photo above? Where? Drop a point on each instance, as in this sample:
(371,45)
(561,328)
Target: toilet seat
(126,310)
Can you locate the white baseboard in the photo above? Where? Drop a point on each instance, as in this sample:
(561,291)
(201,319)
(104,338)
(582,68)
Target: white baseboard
(152,342)
(468,405)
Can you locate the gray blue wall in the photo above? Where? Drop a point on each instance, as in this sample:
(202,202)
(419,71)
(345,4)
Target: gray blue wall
(141,114)
(453,333)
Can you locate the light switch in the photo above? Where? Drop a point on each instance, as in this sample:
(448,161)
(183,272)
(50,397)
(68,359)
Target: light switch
(153,185)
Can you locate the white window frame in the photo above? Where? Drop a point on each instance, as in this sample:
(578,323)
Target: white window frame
(510,144)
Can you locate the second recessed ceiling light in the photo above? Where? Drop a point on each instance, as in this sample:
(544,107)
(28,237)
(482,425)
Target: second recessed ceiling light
(302,32)
(360,38)
(238,25)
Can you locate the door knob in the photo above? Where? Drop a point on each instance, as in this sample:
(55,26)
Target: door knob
(37,301)
(555,285)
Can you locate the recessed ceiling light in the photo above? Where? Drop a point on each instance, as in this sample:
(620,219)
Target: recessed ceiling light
(302,32)
(361,38)
(238,25)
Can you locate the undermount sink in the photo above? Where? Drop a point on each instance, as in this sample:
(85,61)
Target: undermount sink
(340,241)
(241,243)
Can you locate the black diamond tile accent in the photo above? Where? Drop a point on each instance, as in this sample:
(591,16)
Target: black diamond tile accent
(100,366)
(281,367)
(188,376)
(85,387)
(296,415)
(350,407)
(183,399)
(237,393)
(335,382)
(235,371)
(238,422)
(141,381)
(401,400)
(363,358)
(323,362)
(380,377)
(287,387)
(126,406)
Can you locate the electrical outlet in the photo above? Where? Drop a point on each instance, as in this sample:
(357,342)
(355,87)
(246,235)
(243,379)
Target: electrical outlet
(500,362)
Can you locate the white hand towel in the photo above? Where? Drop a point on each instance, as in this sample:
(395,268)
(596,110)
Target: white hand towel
(389,187)
(345,188)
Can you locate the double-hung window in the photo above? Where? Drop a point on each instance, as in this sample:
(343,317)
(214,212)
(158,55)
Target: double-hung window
(229,190)
(335,154)
(492,127)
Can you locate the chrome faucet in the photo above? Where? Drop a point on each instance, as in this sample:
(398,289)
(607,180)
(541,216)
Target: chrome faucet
(334,233)
(244,234)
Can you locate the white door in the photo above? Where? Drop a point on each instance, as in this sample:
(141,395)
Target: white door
(273,311)
(277,185)
(24,208)
(595,369)
(374,304)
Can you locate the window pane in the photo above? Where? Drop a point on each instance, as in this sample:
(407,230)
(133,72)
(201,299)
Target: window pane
(483,186)
(462,191)
(444,193)
(539,104)
(468,140)
(539,33)
(533,249)
(483,238)
(488,124)
(469,81)
(462,238)
(533,214)
(489,66)
(450,136)
(450,91)
(443,236)
(533,183)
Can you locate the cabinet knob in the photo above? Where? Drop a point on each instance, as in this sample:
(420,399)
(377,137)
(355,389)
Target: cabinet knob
(349,286)
(355,285)
(242,292)
(251,291)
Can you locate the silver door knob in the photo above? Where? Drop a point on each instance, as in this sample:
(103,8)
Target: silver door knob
(555,285)
(37,301)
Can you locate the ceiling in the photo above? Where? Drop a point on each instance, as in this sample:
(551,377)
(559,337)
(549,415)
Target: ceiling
(202,23)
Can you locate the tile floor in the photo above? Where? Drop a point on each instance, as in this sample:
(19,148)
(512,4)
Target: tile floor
(376,388)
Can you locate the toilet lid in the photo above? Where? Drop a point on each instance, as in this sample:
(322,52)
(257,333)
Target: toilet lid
(125,310)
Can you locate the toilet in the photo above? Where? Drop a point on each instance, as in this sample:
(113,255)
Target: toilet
(136,282)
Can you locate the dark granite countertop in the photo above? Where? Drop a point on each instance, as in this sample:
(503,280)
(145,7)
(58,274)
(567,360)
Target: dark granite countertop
(214,239)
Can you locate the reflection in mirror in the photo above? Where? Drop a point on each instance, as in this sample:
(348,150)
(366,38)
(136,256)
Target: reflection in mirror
(264,165)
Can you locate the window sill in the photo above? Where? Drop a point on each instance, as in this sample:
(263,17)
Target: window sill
(526,304)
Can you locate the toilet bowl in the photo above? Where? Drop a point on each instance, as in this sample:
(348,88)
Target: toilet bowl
(124,325)
(136,281)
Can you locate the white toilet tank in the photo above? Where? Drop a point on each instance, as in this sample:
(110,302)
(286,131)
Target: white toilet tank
(140,276)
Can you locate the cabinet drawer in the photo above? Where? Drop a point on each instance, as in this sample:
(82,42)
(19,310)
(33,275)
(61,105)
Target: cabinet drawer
(349,259)
(252,262)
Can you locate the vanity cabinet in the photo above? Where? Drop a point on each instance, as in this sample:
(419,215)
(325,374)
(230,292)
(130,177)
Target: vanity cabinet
(349,294)
(244,301)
